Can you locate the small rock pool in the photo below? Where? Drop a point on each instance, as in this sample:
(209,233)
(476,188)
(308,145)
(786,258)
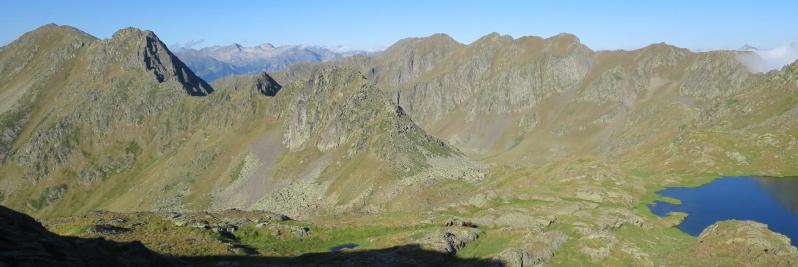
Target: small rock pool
(343,247)
(769,200)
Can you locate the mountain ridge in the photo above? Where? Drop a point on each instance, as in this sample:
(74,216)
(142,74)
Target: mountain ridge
(529,150)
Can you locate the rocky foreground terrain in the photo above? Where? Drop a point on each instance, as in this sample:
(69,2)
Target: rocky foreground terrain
(505,151)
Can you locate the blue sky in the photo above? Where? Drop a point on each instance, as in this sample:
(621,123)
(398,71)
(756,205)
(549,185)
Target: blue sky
(371,25)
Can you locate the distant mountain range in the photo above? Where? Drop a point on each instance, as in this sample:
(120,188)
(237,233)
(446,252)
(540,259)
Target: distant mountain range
(214,62)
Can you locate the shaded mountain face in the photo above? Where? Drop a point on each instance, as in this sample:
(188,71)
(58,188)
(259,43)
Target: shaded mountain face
(215,62)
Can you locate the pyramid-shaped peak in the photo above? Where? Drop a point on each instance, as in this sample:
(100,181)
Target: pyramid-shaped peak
(142,47)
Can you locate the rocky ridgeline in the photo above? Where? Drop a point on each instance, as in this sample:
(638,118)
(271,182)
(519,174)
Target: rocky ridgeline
(498,74)
(488,96)
(339,106)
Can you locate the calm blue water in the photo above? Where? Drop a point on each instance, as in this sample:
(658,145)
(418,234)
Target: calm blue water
(772,201)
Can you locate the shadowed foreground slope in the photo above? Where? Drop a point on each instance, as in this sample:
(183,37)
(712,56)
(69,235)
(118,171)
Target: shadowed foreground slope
(25,242)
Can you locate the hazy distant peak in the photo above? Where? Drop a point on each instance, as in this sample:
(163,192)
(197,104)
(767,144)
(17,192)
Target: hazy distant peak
(747,47)
(266,46)
(215,62)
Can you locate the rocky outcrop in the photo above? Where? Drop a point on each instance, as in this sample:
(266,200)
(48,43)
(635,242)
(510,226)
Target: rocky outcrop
(261,83)
(450,239)
(732,242)
(537,251)
(338,106)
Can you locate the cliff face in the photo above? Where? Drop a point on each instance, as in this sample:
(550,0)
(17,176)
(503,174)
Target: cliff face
(355,149)
(512,98)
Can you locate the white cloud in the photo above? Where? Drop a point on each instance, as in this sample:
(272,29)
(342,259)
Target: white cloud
(764,60)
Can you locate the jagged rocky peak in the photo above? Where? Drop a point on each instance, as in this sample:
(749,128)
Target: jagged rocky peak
(333,101)
(266,85)
(144,49)
(261,83)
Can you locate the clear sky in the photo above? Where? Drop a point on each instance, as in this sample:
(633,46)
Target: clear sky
(369,25)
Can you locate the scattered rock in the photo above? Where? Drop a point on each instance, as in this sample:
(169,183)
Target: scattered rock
(458,222)
(200,225)
(536,251)
(738,158)
(288,231)
(449,240)
(106,229)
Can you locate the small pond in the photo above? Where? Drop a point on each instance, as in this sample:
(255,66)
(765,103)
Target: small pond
(343,247)
(769,200)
